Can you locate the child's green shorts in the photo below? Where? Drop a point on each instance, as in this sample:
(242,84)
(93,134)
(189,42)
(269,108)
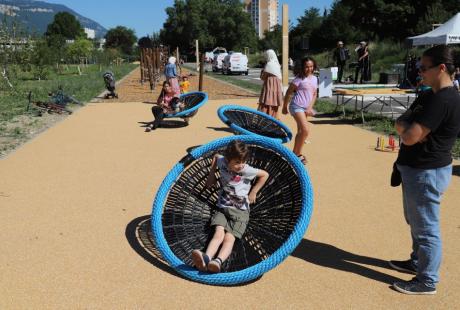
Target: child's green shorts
(233,220)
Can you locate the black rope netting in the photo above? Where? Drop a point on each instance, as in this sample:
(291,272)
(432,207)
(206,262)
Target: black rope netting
(190,205)
(256,123)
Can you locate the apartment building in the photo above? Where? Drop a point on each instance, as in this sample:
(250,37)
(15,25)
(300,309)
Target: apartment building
(264,14)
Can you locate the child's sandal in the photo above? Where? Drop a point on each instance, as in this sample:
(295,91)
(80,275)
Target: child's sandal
(303,159)
(200,260)
(215,265)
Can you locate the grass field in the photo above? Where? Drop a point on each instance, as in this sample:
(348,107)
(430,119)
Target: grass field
(82,87)
(18,125)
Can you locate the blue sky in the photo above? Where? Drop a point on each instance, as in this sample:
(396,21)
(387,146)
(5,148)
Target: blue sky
(147,16)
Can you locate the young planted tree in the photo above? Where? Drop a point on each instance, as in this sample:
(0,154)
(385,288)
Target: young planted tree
(79,49)
(42,59)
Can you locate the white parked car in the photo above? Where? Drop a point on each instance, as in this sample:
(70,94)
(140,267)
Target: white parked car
(217,63)
(235,63)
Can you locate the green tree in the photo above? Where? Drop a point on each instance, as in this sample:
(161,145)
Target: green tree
(435,14)
(212,22)
(336,26)
(307,26)
(121,38)
(65,25)
(273,40)
(80,48)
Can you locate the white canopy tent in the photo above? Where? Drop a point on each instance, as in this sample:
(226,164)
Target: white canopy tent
(447,33)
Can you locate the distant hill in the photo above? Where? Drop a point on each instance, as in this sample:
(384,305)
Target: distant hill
(36,15)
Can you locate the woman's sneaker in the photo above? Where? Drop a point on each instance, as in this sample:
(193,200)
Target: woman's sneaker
(403,265)
(414,287)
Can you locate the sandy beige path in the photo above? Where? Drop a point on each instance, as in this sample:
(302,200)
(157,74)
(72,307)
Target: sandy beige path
(67,197)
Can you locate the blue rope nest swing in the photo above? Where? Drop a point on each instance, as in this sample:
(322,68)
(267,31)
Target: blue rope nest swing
(183,207)
(249,121)
(192,101)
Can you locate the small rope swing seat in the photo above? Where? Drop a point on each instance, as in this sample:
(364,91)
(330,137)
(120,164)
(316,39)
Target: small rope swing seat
(252,122)
(183,207)
(192,102)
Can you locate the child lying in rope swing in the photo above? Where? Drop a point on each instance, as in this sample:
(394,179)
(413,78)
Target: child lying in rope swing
(232,216)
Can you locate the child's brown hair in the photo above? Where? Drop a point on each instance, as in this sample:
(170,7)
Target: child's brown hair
(236,150)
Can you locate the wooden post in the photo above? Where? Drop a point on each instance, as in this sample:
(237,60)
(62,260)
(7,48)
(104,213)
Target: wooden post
(200,86)
(197,53)
(285,46)
(178,61)
(150,68)
(142,65)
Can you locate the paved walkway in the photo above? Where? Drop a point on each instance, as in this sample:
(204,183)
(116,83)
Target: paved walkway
(72,198)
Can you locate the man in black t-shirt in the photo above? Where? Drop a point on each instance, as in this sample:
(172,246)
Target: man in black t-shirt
(428,132)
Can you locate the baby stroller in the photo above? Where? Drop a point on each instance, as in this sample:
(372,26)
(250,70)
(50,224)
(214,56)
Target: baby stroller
(109,81)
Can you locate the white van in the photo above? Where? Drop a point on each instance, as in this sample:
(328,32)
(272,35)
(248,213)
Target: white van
(235,63)
(217,63)
(209,56)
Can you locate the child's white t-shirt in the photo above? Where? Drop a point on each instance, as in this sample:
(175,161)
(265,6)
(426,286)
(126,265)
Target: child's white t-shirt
(235,187)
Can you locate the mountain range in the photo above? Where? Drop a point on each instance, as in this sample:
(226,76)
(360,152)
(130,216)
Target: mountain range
(36,15)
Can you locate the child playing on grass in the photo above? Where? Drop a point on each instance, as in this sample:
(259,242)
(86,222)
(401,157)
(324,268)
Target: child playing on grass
(304,88)
(236,194)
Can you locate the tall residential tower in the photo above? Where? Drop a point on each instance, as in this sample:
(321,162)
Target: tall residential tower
(264,14)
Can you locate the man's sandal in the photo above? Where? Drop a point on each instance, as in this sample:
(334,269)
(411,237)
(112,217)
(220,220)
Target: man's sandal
(214,265)
(200,260)
(303,159)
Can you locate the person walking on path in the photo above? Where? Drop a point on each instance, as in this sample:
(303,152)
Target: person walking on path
(304,87)
(364,64)
(271,95)
(341,55)
(428,131)
(171,75)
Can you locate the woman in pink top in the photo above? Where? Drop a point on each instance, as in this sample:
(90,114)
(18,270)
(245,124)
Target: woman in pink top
(163,106)
(303,90)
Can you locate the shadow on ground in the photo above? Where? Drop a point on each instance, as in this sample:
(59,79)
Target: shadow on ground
(240,95)
(328,115)
(329,256)
(333,121)
(139,235)
(173,124)
(189,149)
(456,170)
(226,129)
(166,124)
